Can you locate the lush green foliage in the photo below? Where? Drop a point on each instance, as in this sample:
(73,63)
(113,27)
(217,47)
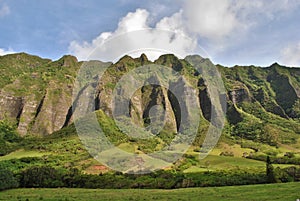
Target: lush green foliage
(8,138)
(270,171)
(46,177)
(263,119)
(7,179)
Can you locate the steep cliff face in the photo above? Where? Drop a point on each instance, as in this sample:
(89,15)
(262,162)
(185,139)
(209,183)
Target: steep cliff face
(28,114)
(53,110)
(10,106)
(275,88)
(239,95)
(37,93)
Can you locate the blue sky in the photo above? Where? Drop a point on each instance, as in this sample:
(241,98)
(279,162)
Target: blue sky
(258,32)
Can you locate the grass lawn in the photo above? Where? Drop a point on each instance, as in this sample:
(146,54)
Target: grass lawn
(21,154)
(284,192)
(224,162)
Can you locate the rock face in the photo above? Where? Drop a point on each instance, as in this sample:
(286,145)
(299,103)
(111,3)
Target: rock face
(54,108)
(28,114)
(37,95)
(10,106)
(239,95)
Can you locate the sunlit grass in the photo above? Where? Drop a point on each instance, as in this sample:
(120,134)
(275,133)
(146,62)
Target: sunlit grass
(21,154)
(284,192)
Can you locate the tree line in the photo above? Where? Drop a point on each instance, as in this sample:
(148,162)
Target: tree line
(49,177)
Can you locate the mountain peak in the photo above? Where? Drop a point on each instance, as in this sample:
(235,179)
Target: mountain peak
(275,64)
(169,60)
(166,58)
(143,58)
(125,58)
(68,60)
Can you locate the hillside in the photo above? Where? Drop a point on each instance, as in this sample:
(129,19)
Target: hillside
(263,110)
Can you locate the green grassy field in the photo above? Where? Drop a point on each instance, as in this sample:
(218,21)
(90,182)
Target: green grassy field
(284,192)
(21,154)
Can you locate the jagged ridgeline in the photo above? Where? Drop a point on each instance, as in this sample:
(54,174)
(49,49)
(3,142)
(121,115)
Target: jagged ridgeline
(263,103)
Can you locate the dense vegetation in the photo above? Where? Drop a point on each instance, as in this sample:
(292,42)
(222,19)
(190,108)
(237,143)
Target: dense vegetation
(48,177)
(7,179)
(8,138)
(260,142)
(45,176)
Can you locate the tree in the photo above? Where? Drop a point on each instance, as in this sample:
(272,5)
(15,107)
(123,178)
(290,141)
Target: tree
(270,171)
(8,136)
(7,179)
(8,132)
(44,177)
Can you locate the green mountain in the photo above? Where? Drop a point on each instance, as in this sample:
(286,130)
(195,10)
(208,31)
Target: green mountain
(262,118)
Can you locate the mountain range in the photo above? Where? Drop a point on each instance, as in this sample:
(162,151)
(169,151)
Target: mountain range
(37,93)
(262,103)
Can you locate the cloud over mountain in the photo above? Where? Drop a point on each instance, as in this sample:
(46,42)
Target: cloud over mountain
(216,24)
(4,52)
(134,36)
(290,55)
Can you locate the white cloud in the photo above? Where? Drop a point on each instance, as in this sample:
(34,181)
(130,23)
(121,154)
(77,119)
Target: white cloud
(174,23)
(4,10)
(290,55)
(218,19)
(134,36)
(220,22)
(211,19)
(4,52)
(254,10)
(133,21)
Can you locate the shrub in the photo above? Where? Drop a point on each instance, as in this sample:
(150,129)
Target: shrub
(8,138)
(289,154)
(46,177)
(8,132)
(7,179)
(226,153)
